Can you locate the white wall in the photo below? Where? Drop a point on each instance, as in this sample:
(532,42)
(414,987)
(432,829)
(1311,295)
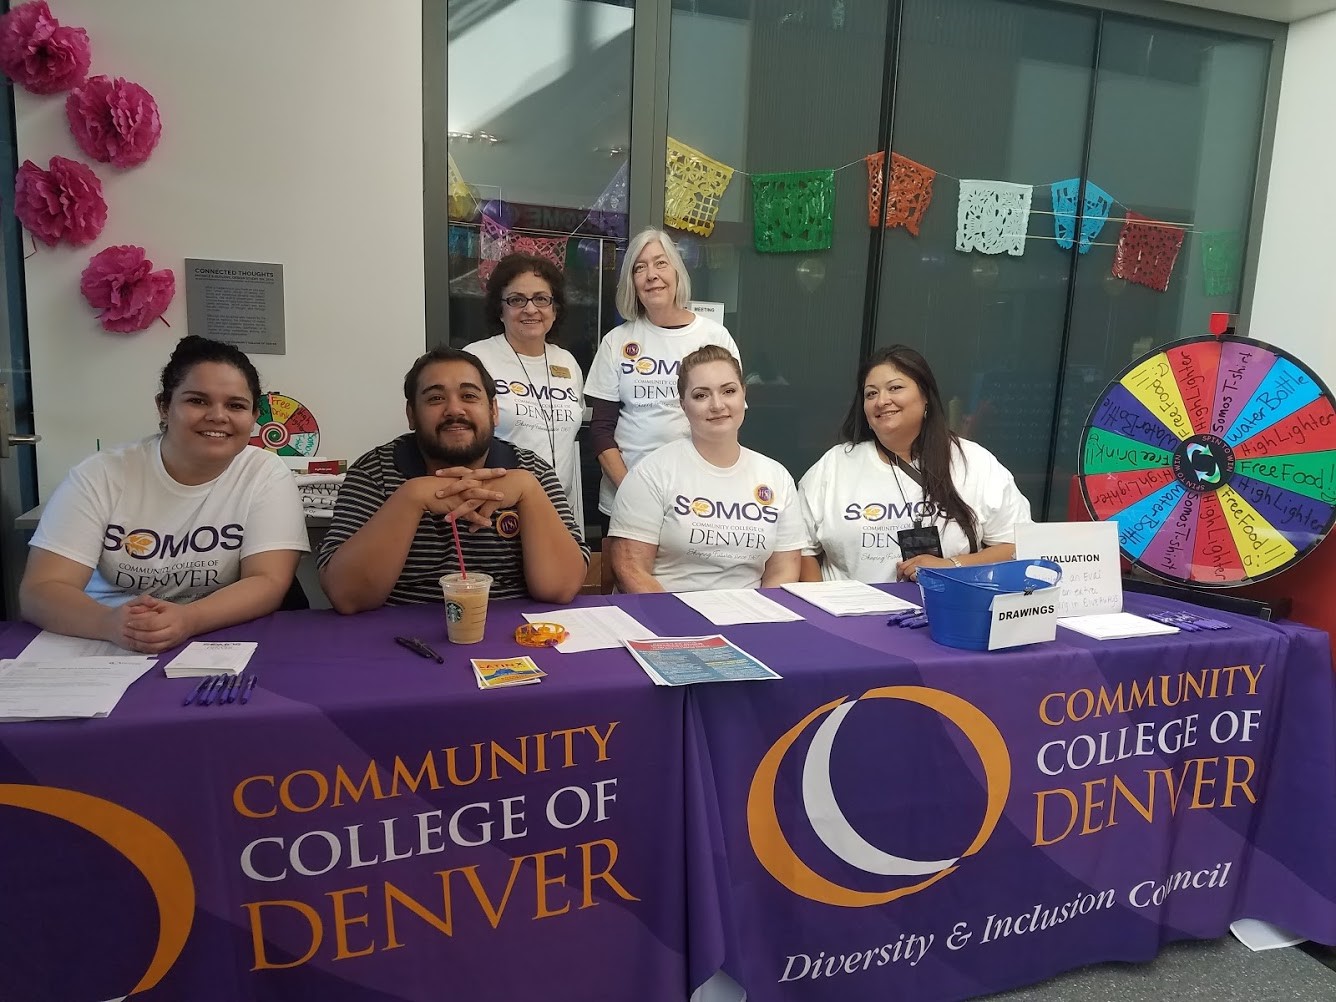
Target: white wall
(1294,305)
(292,132)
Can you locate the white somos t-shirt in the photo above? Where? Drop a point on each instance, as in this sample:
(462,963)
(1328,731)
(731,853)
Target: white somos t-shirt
(715,527)
(637,365)
(540,407)
(120,513)
(854,505)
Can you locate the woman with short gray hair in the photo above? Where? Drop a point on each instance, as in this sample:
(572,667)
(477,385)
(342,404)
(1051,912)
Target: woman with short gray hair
(632,383)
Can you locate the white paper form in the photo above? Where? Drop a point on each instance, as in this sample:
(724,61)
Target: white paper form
(593,629)
(55,690)
(730,606)
(56,647)
(848,598)
(1116,626)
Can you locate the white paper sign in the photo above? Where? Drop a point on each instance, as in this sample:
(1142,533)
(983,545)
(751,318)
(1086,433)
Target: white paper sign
(1092,581)
(715,311)
(1024,619)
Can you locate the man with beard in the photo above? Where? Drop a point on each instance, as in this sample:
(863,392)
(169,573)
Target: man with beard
(390,539)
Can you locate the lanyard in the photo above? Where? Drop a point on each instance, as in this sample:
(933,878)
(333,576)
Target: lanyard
(895,461)
(549,417)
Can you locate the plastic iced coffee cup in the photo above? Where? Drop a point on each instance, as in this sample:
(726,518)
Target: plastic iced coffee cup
(465,606)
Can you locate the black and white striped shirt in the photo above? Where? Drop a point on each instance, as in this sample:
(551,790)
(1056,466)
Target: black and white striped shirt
(496,551)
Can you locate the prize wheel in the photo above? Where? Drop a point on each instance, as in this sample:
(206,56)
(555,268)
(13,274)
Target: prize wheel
(1216,456)
(285,426)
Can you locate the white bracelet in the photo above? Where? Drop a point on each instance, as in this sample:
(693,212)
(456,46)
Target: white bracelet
(955,561)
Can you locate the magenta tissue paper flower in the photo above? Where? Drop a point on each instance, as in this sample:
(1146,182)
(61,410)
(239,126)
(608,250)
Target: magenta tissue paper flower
(63,203)
(114,121)
(39,53)
(120,281)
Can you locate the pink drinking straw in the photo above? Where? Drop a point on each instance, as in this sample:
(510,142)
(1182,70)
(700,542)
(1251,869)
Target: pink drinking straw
(459,552)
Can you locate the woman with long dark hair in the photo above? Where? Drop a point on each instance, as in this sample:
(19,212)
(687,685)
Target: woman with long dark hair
(903,491)
(183,532)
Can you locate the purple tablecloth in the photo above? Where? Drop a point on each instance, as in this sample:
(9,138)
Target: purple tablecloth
(871,827)
(763,828)
(79,922)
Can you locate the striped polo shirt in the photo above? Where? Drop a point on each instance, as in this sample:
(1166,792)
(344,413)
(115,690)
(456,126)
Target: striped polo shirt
(496,551)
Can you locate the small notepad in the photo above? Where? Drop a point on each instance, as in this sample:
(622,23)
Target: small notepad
(211,658)
(1116,626)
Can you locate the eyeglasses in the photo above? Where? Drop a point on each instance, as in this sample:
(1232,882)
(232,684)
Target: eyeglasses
(518,302)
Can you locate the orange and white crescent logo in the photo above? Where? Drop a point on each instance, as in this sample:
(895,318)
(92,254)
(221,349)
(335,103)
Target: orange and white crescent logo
(147,847)
(777,854)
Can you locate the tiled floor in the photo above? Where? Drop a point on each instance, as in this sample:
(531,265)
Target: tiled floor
(1221,970)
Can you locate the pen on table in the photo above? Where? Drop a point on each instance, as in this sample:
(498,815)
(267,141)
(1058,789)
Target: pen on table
(426,651)
(230,693)
(198,689)
(246,690)
(419,648)
(215,686)
(410,645)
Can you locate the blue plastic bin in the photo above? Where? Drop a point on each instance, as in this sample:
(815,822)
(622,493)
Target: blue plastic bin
(957,599)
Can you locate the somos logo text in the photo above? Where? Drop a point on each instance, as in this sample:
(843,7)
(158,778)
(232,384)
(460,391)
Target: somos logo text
(519,389)
(647,366)
(146,544)
(730,511)
(888,512)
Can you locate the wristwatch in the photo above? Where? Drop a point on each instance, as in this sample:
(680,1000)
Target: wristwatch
(955,561)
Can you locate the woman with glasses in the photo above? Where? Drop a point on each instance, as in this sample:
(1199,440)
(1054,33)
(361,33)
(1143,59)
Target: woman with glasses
(903,491)
(633,378)
(539,386)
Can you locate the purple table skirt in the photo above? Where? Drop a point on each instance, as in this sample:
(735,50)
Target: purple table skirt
(335,693)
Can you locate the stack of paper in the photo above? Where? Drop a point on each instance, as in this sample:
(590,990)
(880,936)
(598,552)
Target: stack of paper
(73,687)
(1116,626)
(730,606)
(210,658)
(496,673)
(595,628)
(848,598)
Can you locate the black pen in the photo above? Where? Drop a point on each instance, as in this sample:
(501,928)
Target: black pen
(419,648)
(198,689)
(246,690)
(426,651)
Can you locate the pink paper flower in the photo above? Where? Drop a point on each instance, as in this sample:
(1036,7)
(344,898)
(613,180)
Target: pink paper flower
(114,121)
(63,203)
(120,282)
(39,53)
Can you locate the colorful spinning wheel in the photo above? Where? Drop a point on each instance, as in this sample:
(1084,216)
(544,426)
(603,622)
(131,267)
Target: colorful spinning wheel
(285,426)
(1217,459)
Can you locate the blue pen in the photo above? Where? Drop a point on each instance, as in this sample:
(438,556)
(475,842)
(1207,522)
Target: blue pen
(897,618)
(230,692)
(198,689)
(216,685)
(246,691)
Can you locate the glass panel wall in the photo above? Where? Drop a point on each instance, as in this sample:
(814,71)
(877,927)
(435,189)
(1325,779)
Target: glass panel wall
(767,88)
(999,91)
(539,109)
(1164,117)
(1175,137)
